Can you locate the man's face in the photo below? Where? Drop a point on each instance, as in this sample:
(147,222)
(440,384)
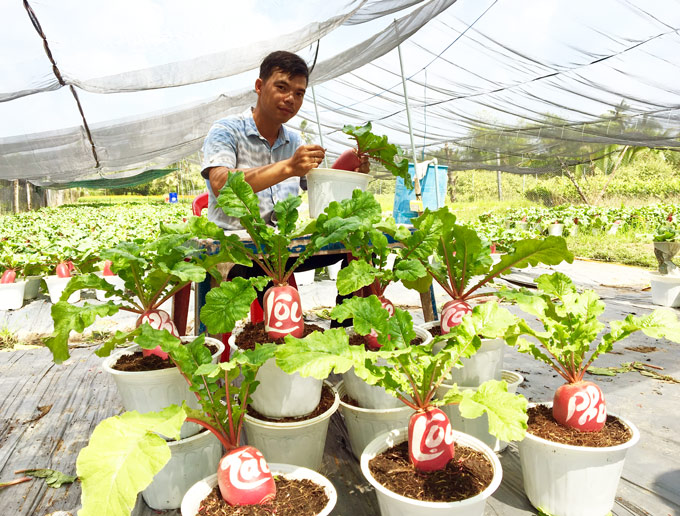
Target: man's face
(280,95)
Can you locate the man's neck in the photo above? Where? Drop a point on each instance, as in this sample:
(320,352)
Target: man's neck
(268,128)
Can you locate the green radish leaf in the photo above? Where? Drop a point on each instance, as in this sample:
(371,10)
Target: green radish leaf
(356,275)
(227,304)
(318,354)
(122,457)
(54,479)
(506,411)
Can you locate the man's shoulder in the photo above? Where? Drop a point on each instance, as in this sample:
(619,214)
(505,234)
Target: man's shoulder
(239,121)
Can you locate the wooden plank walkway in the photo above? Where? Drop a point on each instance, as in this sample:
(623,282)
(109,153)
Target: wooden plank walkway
(47,413)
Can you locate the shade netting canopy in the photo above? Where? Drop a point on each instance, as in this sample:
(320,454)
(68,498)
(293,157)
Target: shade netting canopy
(93,90)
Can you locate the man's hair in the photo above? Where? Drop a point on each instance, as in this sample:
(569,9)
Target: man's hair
(287,62)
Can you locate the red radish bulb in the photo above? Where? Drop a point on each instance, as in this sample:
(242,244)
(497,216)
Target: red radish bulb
(372,338)
(158,320)
(244,478)
(8,276)
(452,313)
(107,268)
(492,248)
(581,406)
(430,439)
(283,312)
(348,160)
(63,270)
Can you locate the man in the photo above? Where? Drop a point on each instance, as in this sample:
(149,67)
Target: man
(256,142)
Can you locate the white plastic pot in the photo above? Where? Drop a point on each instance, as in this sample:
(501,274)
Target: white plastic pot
(12,295)
(555,229)
(304,277)
(300,443)
(478,427)
(665,289)
(151,391)
(374,396)
(486,364)
(565,480)
(333,270)
(117,282)
(191,460)
(326,185)
(280,394)
(56,285)
(32,287)
(200,490)
(393,504)
(363,424)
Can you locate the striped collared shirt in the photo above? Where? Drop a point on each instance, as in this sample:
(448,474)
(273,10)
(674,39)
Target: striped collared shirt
(235,142)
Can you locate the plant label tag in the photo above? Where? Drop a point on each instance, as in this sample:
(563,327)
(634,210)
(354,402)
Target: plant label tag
(452,314)
(430,440)
(158,320)
(244,477)
(283,312)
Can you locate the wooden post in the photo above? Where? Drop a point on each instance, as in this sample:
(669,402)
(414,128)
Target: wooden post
(16,196)
(28,196)
(498,176)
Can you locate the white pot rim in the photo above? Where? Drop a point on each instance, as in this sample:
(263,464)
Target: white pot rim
(304,422)
(657,276)
(362,410)
(289,471)
(510,377)
(335,172)
(399,435)
(590,449)
(107,365)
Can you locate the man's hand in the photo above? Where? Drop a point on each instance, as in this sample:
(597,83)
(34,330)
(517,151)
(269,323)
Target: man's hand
(365,166)
(306,158)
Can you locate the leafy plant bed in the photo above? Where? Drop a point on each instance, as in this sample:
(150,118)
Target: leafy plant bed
(293,498)
(254,333)
(138,362)
(465,476)
(542,424)
(327,400)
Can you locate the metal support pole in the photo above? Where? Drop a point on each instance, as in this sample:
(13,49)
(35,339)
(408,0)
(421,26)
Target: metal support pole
(498,176)
(318,125)
(408,118)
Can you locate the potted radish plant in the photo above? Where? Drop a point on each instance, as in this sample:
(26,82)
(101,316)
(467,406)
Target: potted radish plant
(11,289)
(338,182)
(422,452)
(125,454)
(279,394)
(462,266)
(573,465)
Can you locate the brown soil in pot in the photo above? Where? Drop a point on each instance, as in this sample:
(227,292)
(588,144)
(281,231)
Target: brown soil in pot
(542,424)
(327,400)
(255,333)
(293,498)
(136,362)
(465,476)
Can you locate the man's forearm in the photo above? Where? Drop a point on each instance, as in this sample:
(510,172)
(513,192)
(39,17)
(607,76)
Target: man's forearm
(258,178)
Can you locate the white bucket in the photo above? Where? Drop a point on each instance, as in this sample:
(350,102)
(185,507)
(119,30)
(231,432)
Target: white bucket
(478,427)
(304,277)
(280,394)
(12,295)
(56,285)
(665,289)
(32,287)
(363,425)
(326,185)
(374,396)
(191,460)
(333,270)
(392,504)
(566,480)
(151,391)
(200,490)
(555,229)
(301,442)
(485,364)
